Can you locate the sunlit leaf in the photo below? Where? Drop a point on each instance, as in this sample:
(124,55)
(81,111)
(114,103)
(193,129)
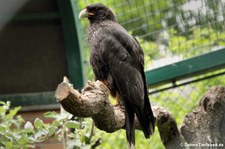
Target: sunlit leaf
(2,102)
(12,113)
(51,114)
(29,125)
(72,124)
(9,144)
(40,135)
(74,143)
(52,130)
(38,123)
(23,140)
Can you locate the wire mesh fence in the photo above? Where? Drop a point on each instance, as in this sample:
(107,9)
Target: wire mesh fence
(170,31)
(183,96)
(172,28)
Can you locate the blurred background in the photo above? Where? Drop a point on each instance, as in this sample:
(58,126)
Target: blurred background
(43,40)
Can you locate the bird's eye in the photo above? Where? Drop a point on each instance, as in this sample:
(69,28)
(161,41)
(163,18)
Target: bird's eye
(92,11)
(101,12)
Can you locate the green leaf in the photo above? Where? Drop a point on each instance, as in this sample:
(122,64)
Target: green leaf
(3,128)
(87,139)
(2,110)
(28,128)
(74,143)
(9,144)
(40,135)
(12,135)
(6,105)
(63,116)
(51,114)
(2,102)
(20,119)
(31,139)
(12,113)
(23,140)
(55,123)
(29,125)
(52,130)
(72,124)
(38,123)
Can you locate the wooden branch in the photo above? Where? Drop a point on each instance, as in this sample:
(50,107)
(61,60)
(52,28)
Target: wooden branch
(206,124)
(93,102)
(168,130)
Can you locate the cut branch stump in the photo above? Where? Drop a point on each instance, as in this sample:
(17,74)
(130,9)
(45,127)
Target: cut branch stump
(206,124)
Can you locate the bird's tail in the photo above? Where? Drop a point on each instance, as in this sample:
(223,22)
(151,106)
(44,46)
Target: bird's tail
(145,115)
(130,128)
(146,118)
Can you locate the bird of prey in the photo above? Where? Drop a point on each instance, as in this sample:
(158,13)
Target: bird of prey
(117,60)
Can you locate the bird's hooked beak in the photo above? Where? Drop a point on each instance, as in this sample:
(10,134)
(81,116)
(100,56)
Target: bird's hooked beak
(85,14)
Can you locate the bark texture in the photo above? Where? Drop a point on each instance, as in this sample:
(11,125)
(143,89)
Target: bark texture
(168,130)
(205,125)
(92,102)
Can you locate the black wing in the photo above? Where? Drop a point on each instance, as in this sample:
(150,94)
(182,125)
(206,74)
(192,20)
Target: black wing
(124,58)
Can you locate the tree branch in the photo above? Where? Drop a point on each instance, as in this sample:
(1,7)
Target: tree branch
(93,102)
(168,130)
(205,124)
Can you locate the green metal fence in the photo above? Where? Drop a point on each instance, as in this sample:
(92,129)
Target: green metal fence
(184,45)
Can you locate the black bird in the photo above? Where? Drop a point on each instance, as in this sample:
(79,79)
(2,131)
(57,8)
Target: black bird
(117,60)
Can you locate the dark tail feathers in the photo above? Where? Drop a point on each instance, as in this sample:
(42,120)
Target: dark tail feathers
(146,118)
(130,128)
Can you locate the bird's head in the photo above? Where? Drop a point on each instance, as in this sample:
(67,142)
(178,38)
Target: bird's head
(97,12)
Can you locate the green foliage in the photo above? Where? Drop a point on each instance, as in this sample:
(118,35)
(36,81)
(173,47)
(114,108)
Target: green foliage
(16,133)
(10,134)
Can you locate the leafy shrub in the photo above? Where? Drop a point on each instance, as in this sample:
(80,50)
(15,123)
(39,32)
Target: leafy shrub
(16,133)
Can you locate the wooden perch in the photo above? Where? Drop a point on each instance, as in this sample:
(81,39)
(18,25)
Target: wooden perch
(93,102)
(168,129)
(205,125)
